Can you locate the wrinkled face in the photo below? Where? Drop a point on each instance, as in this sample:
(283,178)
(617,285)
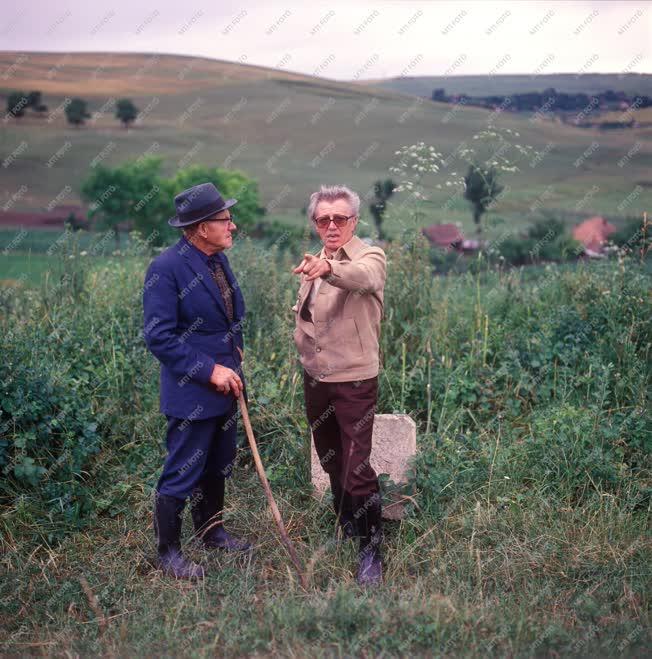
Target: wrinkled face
(214,235)
(331,235)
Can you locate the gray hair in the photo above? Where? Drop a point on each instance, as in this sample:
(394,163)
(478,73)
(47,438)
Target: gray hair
(332,193)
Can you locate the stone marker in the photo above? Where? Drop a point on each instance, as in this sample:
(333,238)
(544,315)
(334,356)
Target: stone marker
(394,444)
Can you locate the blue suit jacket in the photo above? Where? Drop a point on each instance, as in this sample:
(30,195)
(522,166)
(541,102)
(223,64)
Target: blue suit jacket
(187,330)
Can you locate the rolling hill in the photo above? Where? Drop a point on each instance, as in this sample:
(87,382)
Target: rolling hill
(289,131)
(476,85)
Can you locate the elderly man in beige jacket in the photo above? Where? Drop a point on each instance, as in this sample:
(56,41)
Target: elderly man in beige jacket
(338,313)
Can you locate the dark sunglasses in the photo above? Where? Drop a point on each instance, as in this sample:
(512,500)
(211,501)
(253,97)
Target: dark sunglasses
(325,220)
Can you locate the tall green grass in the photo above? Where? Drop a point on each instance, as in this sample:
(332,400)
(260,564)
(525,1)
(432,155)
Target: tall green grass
(527,531)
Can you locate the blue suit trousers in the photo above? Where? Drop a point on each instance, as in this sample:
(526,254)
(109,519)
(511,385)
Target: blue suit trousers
(198,449)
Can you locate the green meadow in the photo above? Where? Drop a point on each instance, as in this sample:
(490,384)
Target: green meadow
(527,527)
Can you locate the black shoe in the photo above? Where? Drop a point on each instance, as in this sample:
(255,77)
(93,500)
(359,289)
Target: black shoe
(343,509)
(370,569)
(367,512)
(207,507)
(167,527)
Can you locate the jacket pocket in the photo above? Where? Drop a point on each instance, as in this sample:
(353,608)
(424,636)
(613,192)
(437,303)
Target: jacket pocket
(298,337)
(346,335)
(358,337)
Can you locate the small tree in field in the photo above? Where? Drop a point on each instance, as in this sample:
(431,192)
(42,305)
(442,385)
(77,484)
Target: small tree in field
(34,101)
(383,190)
(77,112)
(17,103)
(421,165)
(481,188)
(126,111)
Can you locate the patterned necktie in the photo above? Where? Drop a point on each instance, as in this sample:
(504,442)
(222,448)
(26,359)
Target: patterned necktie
(222,283)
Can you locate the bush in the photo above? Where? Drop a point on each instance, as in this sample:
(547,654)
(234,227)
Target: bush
(575,335)
(484,362)
(545,240)
(48,434)
(635,235)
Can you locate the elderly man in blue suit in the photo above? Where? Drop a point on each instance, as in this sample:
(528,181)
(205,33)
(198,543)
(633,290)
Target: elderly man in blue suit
(193,317)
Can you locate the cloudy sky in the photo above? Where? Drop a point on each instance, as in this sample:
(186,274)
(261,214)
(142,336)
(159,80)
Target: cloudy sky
(351,39)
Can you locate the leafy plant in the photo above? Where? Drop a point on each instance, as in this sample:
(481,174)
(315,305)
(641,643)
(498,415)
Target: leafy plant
(420,166)
(48,434)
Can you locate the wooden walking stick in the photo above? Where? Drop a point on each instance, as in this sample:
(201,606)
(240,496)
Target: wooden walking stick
(268,493)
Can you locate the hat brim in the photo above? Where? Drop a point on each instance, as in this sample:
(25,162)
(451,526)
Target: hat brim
(177,222)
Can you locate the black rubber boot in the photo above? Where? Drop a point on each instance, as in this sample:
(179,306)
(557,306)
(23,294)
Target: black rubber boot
(207,517)
(343,510)
(167,527)
(367,511)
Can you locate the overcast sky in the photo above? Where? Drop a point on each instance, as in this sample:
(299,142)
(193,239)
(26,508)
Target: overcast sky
(351,39)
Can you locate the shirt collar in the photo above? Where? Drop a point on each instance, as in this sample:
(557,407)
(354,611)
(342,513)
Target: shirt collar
(349,249)
(204,257)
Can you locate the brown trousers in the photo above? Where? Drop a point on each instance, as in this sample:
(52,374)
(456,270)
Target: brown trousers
(341,417)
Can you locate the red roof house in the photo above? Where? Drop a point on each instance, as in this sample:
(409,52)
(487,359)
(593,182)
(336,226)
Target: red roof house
(593,234)
(447,236)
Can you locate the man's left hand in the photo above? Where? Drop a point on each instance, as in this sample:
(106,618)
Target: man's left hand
(312,266)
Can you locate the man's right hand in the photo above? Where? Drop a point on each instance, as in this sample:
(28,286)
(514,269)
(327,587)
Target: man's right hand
(226,380)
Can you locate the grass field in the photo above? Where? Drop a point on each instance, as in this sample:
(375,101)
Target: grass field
(25,268)
(292,133)
(529,529)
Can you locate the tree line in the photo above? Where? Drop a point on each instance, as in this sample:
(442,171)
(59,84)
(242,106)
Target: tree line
(549,100)
(20,103)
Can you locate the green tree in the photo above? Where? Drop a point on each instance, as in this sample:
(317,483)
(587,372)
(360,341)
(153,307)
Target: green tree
(383,190)
(77,112)
(34,101)
(126,111)
(230,183)
(136,193)
(128,193)
(481,189)
(420,165)
(17,103)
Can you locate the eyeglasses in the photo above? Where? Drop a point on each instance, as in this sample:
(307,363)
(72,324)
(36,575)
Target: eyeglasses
(325,220)
(231,218)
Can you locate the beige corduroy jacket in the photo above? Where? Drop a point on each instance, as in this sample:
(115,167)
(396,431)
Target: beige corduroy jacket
(341,342)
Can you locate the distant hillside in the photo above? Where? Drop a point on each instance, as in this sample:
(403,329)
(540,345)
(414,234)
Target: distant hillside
(289,131)
(512,84)
(101,74)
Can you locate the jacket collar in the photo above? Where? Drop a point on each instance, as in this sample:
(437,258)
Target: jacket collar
(350,249)
(199,263)
(189,246)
